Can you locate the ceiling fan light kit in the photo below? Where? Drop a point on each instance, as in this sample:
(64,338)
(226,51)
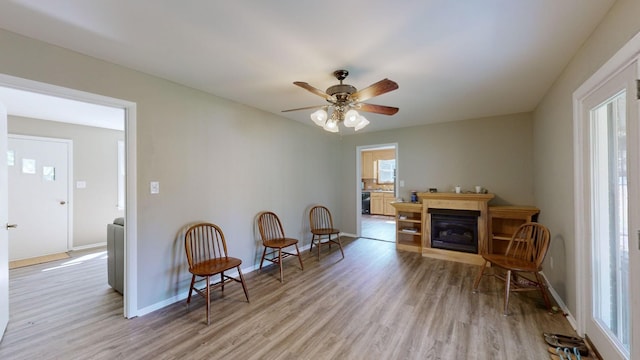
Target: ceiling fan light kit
(319,117)
(331,125)
(362,123)
(343,101)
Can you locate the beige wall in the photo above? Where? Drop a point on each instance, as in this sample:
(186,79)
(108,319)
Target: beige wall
(495,153)
(207,153)
(95,161)
(553,146)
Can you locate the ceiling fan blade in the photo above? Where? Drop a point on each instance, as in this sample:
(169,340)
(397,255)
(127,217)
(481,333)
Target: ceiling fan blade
(311,89)
(306,108)
(378,109)
(379,88)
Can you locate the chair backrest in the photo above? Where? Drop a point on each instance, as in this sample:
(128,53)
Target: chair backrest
(204,241)
(530,242)
(320,218)
(270,226)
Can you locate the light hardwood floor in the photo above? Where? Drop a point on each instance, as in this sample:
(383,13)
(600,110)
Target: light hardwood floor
(377,303)
(378,227)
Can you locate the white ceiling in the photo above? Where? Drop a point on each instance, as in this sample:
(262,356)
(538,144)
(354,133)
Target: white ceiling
(453,60)
(47,107)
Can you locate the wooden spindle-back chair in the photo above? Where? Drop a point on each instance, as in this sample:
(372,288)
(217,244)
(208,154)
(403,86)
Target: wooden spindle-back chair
(273,238)
(207,256)
(322,230)
(525,253)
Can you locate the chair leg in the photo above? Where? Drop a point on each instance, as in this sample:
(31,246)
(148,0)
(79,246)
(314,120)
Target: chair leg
(340,245)
(313,238)
(264,253)
(319,243)
(280,264)
(208,299)
(300,257)
(193,280)
(543,289)
(480,274)
(244,284)
(507,290)
(222,282)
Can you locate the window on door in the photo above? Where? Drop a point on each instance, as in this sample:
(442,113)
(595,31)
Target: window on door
(610,218)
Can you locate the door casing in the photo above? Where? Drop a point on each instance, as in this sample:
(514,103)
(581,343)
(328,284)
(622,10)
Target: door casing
(131,258)
(626,56)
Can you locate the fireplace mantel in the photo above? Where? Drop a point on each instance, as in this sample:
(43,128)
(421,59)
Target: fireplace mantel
(464,201)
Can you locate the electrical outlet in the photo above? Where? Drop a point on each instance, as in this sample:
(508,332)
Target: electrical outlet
(154,187)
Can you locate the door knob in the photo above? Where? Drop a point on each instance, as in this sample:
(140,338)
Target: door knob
(11,226)
(62,202)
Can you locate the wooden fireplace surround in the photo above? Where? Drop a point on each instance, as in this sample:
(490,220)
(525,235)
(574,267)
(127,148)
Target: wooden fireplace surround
(464,201)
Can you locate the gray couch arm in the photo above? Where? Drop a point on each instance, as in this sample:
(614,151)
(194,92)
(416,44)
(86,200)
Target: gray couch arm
(115,254)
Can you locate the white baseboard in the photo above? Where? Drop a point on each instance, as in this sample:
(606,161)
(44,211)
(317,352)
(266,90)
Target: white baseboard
(563,306)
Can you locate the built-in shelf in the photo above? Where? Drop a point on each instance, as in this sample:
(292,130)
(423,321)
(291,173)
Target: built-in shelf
(496,224)
(503,223)
(408,226)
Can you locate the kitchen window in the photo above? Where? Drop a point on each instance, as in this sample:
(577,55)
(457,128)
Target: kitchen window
(386,171)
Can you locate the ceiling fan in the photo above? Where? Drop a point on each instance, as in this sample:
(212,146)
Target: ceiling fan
(344,100)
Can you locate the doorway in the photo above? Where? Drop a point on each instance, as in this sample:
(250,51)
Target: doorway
(129,110)
(607,212)
(377,174)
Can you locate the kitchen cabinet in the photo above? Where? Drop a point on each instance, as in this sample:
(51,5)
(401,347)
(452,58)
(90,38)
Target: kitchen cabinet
(367,165)
(388,154)
(370,159)
(387,199)
(503,223)
(381,203)
(377,203)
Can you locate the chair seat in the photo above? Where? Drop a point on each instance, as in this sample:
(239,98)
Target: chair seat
(328,231)
(214,266)
(514,264)
(280,243)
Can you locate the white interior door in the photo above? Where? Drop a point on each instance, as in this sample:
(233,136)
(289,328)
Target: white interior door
(39,196)
(4,226)
(612,195)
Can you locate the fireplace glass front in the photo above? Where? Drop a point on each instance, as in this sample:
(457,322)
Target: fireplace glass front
(454,229)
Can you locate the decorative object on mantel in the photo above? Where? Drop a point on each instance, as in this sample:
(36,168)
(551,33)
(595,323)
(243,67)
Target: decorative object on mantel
(344,100)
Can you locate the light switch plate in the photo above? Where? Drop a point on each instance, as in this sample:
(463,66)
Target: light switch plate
(154,187)
(401,183)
